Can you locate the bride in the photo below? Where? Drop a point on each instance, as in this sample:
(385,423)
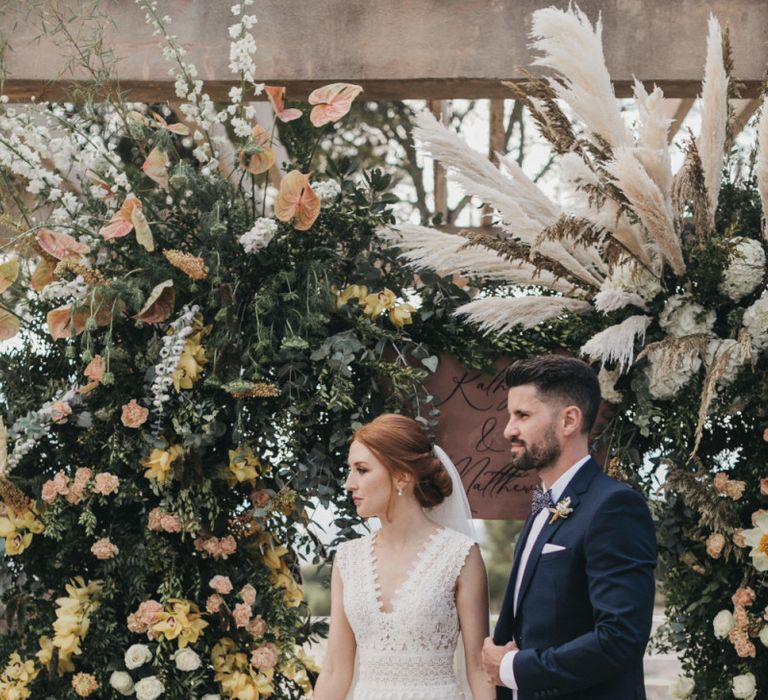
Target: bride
(400,596)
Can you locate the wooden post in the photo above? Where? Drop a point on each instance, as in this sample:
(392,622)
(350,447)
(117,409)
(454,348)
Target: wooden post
(440,109)
(495,145)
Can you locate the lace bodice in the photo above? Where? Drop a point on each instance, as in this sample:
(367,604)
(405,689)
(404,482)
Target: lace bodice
(408,651)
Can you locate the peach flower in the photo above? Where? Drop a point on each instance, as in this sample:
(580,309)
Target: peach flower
(221,584)
(106,483)
(715,544)
(720,481)
(145,615)
(104,549)
(248,594)
(242,614)
(134,415)
(59,412)
(170,523)
(259,498)
(743,597)
(735,489)
(49,492)
(95,369)
(764,487)
(257,627)
(84,684)
(264,657)
(757,514)
(738,538)
(214,603)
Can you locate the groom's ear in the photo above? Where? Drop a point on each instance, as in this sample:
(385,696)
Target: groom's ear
(572,419)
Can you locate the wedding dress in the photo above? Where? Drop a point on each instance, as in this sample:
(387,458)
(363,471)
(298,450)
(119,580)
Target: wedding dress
(407,652)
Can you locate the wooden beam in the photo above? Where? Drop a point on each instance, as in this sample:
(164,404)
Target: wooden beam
(428,49)
(678,112)
(744,109)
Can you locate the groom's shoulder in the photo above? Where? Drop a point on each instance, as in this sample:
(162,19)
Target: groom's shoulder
(605,487)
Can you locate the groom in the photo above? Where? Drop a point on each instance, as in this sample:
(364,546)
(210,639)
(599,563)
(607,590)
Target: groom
(576,616)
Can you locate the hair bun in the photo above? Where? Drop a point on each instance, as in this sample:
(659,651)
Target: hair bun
(436,487)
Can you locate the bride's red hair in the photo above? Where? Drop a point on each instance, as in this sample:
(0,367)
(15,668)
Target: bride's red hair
(400,444)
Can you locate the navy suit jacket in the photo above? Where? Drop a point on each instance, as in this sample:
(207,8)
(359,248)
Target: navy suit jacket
(584,612)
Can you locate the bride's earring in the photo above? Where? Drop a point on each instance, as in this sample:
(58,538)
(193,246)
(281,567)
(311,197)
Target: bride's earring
(399,492)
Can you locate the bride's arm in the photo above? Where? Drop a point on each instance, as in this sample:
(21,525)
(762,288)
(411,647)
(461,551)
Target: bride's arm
(472,607)
(338,666)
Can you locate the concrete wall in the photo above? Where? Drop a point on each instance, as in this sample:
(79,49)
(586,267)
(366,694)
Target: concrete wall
(396,48)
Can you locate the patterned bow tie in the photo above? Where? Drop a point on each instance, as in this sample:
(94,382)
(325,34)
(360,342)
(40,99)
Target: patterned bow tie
(541,499)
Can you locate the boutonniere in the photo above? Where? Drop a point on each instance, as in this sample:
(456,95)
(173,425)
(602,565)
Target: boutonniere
(562,509)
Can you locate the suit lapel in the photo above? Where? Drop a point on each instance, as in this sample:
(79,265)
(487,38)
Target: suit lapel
(578,485)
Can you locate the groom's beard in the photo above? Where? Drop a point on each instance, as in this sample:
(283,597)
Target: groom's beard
(539,455)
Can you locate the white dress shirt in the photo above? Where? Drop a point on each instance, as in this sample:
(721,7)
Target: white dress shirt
(506,669)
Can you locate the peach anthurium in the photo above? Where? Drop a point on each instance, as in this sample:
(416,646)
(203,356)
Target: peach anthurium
(257,157)
(9,271)
(177,128)
(63,320)
(43,274)
(297,201)
(109,191)
(332,102)
(60,245)
(9,324)
(156,167)
(129,217)
(276,96)
(159,304)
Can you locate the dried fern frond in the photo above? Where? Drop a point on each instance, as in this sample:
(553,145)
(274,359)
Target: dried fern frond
(572,47)
(3,447)
(689,187)
(674,351)
(714,116)
(617,343)
(649,205)
(502,314)
(584,233)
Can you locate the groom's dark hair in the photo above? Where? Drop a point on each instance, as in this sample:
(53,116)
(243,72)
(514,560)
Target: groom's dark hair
(563,378)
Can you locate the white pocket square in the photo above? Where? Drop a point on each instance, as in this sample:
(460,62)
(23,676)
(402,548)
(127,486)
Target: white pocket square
(549,548)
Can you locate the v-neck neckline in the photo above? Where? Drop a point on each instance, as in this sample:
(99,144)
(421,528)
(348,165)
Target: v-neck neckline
(413,566)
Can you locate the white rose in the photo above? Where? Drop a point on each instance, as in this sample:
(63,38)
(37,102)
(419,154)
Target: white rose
(121,682)
(186,659)
(608,379)
(682,316)
(755,320)
(764,635)
(667,376)
(682,687)
(211,696)
(745,269)
(744,686)
(137,655)
(723,623)
(632,278)
(149,688)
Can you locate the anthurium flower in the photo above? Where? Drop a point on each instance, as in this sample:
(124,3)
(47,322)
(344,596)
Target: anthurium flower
(9,271)
(156,167)
(276,96)
(63,320)
(9,324)
(60,245)
(401,315)
(297,201)
(332,102)
(159,304)
(378,302)
(129,217)
(177,128)
(257,155)
(43,274)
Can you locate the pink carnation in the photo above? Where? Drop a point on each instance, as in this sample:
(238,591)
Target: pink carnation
(144,616)
(61,481)
(170,523)
(221,584)
(228,545)
(257,627)
(133,415)
(155,519)
(242,614)
(104,549)
(106,483)
(77,489)
(214,603)
(264,657)
(743,597)
(59,412)
(49,492)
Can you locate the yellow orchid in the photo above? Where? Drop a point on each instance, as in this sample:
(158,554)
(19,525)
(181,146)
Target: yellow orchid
(400,315)
(353,291)
(158,464)
(73,618)
(244,466)
(181,621)
(18,530)
(377,302)
(45,655)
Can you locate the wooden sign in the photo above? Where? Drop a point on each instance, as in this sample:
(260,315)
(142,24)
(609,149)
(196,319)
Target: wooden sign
(473,413)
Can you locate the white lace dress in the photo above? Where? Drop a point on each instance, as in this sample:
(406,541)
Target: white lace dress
(408,652)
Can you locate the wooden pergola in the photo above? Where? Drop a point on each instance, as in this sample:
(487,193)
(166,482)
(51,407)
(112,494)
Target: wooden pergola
(435,50)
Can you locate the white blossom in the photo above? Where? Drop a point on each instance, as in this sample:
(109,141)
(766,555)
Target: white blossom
(745,269)
(665,381)
(681,316)
(187,660)
(755,321)
(121,682)
(137,655)
(259,236)
(723,623)
(608,379)
(682,687)
(744,686)
(149,688)
(327,190)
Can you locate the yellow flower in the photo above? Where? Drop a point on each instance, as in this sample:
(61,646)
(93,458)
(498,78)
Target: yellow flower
(45,655)
(243,466)
(378,302)
(17,543)
(354,291)
(158,464)
(13,527)
(182,621)
(401,315)
(190,365)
